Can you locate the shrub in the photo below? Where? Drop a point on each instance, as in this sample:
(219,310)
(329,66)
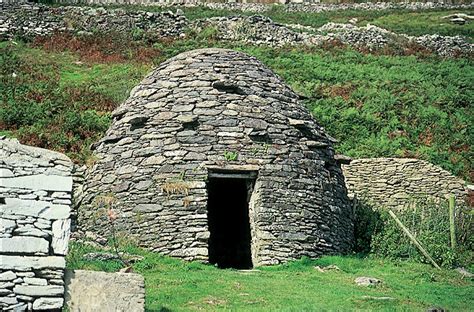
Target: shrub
(377,232)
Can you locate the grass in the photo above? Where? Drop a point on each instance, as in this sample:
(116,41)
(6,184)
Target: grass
(175,285)
(54,100)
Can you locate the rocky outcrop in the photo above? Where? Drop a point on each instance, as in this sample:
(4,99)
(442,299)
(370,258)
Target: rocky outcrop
(396,182)
(210,112)
(35,199)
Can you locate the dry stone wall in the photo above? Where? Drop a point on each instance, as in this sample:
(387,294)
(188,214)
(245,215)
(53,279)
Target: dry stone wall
(35,199)
(30,20)
(395,182)
(180,123)
(290,5)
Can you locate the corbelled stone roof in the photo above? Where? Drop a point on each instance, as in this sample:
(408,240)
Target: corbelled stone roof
(216,109)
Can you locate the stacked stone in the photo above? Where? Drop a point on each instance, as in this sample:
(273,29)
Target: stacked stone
(396,182)
(35,199)
(30,20)
(181,123)
(261,30)
(255,29)
(373,37)
(313,6)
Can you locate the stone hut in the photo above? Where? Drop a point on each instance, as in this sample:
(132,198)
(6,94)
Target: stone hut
(213,158)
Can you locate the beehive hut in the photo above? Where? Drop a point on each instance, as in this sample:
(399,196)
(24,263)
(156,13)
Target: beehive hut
(213,158)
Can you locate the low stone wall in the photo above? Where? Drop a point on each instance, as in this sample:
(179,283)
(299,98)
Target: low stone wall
(12,1)
(35,199)
(290,5)
(31,20)
(245,4)
(394,182)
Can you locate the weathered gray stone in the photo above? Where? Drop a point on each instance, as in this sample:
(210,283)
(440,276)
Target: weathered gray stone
(39,182)
(5,292)
(34,208)
(24,263)
(7,225)
(367,281)
(8,300)
(30,230)
(7,276)
(397,182)
(35,281)
(92,291)
(39,291)
(230,117)
(61,230)
(154,160)
(6,173)
(24,245)
(48,303)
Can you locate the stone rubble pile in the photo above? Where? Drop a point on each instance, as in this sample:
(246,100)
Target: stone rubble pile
(35,199)
(29,20)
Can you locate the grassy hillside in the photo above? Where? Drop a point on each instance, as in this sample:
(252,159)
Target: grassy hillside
(59,92)
(174,285)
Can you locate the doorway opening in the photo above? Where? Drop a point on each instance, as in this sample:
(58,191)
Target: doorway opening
(228,219)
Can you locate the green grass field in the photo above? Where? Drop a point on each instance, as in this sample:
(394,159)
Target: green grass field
(175,285)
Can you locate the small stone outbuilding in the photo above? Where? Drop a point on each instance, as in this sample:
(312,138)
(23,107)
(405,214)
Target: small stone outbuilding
(214,158)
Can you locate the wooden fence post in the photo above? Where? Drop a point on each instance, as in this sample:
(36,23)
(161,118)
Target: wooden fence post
(452,224)
(413,239)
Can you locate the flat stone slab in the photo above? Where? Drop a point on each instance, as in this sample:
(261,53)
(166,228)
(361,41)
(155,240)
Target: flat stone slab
(90,291)
(23,263)
(34,208)
(40,182)
(24,245)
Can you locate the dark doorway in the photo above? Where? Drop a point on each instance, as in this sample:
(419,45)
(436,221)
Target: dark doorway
(228,217)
